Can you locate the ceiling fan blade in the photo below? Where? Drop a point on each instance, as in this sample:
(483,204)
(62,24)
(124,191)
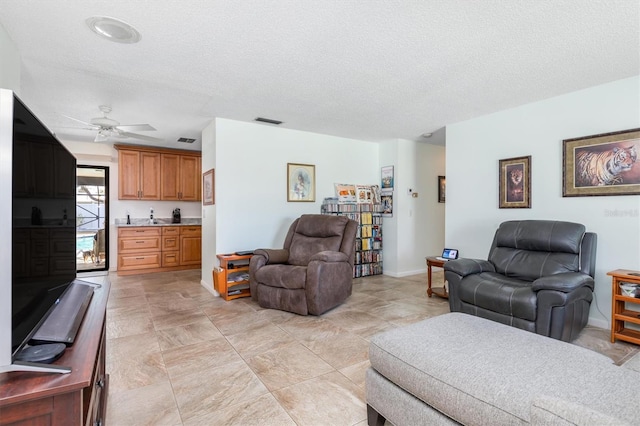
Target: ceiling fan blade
(141,137)
(136,127)
(79,128)
(79,121)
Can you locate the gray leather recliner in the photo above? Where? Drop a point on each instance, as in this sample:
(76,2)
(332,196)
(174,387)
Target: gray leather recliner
(538,277)
(313,272)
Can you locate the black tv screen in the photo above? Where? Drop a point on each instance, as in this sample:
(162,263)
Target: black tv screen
(43,262)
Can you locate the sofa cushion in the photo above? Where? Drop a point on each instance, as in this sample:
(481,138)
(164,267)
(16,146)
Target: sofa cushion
(530,249)
(313,234)
(541,235)
(558,412)
(282,276)
(497,293)
(481,372)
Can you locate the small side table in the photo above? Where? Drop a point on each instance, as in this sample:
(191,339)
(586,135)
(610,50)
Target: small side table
(619,313)
(225,277)
(438,291)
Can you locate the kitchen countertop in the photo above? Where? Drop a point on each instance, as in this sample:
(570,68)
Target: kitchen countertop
(186,221)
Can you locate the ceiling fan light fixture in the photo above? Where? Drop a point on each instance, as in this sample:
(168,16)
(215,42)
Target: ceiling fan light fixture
(113,29)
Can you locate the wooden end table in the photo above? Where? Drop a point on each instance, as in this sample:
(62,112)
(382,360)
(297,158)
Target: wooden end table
(619,313)
(433,261)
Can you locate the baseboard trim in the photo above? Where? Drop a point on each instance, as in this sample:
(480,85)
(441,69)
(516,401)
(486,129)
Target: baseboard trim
(209,288)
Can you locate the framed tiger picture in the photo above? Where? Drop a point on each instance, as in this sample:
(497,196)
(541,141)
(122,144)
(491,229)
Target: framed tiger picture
(515,183)
(604,164)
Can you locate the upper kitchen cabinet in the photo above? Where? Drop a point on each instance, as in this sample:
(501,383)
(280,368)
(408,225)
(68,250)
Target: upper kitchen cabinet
(180,177)
(138,175)
(150,173)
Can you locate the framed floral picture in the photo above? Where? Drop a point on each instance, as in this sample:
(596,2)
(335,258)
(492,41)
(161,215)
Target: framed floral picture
(301,182)
(208,188)
(515,183)
(604,164)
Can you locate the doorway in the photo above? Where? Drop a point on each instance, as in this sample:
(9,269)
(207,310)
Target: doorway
(92,218)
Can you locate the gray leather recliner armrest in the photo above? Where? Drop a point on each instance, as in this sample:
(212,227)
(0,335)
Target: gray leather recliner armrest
(565,282)
(464,267)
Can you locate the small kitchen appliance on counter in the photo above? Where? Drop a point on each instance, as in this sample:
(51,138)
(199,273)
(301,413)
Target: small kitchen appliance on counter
(176,216)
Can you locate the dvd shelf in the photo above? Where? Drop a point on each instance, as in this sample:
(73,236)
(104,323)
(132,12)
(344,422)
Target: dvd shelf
(368,260)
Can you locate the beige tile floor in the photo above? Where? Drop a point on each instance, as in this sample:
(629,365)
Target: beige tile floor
(176,355)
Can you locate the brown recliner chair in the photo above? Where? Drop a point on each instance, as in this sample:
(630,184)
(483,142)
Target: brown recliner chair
(313,272)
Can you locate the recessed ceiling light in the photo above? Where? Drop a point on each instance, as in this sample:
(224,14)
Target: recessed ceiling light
(426,135)
(113,29)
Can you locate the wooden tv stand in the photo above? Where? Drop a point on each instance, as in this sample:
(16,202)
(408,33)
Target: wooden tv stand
(76,398)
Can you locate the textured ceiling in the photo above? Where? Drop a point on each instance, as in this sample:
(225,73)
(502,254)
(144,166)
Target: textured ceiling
(372,70)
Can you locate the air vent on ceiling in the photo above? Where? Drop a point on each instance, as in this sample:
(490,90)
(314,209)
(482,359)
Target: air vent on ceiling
(268,120)
(186,140)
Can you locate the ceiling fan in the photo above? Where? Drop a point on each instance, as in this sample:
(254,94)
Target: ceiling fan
(108,127)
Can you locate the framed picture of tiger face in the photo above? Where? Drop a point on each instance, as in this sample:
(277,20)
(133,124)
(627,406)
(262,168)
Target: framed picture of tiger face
(515,183)
(604,164)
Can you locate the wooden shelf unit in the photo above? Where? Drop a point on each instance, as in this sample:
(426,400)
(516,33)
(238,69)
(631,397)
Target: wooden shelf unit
(619,312)
(231,264)
(77,398)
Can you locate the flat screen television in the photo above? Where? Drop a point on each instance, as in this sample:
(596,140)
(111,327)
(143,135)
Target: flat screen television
(37,211)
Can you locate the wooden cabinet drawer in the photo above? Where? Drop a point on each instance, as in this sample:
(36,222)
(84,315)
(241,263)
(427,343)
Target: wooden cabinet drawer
(191,230)
(138,245)
(170,258)
(141,231)
(170,242)
(140,261)
(170,230)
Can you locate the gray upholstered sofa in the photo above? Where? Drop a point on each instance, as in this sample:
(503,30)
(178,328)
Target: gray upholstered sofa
(462,369)
(313,272)
(538,277)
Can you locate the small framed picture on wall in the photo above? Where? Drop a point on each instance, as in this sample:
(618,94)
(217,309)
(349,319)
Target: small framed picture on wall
(442,186)
(208,188)
(515,183)
(301,182)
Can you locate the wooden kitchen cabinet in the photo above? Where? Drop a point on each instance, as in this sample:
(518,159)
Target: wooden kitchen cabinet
(180,177)
(143,249)
(138,175)
(190,245)
(139,248)
(151,173)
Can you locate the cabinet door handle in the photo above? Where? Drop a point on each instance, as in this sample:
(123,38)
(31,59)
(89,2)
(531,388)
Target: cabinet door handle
(139,242)
(139,258)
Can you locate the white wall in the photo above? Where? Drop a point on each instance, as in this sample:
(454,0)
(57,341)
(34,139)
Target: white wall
(209,245)
(251,183)
(10,69)
(416,229)
(538,129)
